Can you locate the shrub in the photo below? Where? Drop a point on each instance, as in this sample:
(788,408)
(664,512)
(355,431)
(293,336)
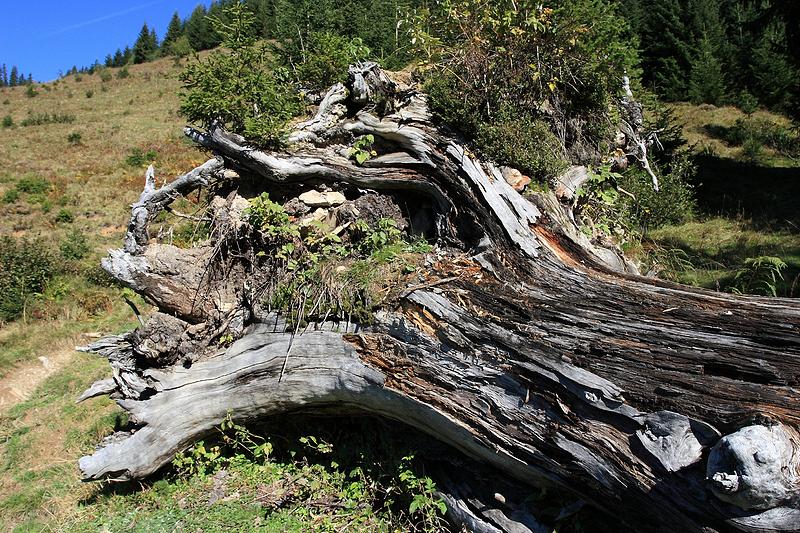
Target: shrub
(89,93)
(524,143)
(39,119)
(8,121)
(123,73)
(31,91)
(105,76)
(64,216)
(752,150)
(323,59)
(747,103)
(10,196)
(239,87)
(74,138)
(33,184)
(575,54)
(138,157)
(26,266)
(74,247)
(674,203)
(759,275)
(180,47)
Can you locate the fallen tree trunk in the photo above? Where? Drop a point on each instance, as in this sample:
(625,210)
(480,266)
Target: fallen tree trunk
(522,345)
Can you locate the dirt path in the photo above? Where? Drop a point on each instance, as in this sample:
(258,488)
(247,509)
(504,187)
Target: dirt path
(19,384)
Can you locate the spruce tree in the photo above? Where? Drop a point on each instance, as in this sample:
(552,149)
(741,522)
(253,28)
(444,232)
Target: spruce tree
(174,30)
(666,50)
(773,76)
(706,81)
(13,79)
(197,29)
(145,46)
(4,76)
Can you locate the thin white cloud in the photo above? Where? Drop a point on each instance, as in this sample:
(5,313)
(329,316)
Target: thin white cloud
(103,18)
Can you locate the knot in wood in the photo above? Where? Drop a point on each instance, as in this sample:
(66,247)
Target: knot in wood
(756,467)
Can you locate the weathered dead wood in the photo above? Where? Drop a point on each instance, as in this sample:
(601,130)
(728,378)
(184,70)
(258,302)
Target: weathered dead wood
(525,347)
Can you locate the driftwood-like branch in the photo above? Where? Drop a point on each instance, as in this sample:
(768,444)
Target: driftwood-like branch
(524,346)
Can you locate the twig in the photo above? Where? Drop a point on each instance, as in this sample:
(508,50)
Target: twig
(135,310)
(427,285)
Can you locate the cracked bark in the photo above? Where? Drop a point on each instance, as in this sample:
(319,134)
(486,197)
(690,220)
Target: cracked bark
(536,353)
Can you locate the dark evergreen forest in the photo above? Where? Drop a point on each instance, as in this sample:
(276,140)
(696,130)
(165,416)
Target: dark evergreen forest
(740,52)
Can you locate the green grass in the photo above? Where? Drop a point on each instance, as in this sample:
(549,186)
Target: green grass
(717,247)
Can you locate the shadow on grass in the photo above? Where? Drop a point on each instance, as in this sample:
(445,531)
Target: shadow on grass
(770,197)
(381,449)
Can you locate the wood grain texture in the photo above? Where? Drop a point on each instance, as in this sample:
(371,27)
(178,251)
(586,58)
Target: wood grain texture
(529,349)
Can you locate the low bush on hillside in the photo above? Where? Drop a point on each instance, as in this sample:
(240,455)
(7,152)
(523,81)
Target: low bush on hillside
(674,203)
(8,121)
(74,247)
(782,139)
(33,184)
(26,266)
(39,119)
(138,157)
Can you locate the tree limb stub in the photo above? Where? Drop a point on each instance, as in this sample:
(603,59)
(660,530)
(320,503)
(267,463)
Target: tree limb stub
(525,347)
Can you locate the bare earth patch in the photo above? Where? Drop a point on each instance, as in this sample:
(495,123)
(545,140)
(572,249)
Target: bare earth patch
(18,384)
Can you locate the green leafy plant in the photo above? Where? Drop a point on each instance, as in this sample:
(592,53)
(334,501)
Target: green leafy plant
(123,73)
(8,121)
(89,93)
(33,184)
(138,157)
(597,203)
(237,444)
(26,266)
(105,76)
(38,119)
(31,91)
(426,507)
(759,275)
(362,149)
(74,247)
(74,138)
(10,196)
(321,60)
(64,216)
(240,86)
(271,219)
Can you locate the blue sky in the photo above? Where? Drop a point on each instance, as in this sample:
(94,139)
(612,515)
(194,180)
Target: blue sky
(44,37)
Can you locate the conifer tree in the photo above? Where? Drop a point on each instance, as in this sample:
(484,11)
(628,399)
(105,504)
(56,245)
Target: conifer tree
(772,74)
(667,54)
(4,76)
(145,46)
(706,81)
(13,79)
(197,28)
(174,30)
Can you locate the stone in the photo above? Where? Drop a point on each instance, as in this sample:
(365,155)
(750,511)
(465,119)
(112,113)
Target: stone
(321,219)
(322,199)
(515,178)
